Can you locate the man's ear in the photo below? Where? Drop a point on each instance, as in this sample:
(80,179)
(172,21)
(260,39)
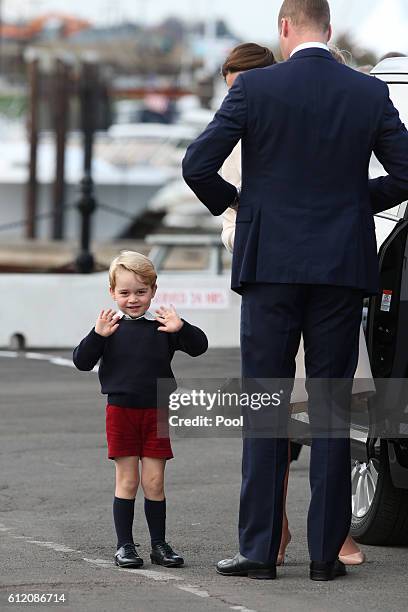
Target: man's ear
(329,32)
(284,29)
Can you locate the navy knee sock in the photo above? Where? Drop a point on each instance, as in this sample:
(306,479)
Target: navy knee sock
(123,512)
(155,512)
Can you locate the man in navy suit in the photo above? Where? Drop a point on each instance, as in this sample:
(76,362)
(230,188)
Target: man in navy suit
(304,255)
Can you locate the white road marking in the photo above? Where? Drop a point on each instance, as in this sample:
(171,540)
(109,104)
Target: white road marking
(39,356)
(242,609)
(101,562)
(52,545)
(62,362)
(157,576)
(55,360)
(192,589)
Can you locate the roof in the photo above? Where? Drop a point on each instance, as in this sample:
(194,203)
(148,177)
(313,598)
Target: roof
(392,65)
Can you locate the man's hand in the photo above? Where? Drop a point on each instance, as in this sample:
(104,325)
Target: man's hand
(169,319)
(235,204)
(107,323)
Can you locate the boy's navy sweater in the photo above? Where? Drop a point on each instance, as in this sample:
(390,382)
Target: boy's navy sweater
(134,357)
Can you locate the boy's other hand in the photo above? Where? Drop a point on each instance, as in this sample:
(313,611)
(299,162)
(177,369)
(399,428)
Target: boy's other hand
(169,319)
(107,322)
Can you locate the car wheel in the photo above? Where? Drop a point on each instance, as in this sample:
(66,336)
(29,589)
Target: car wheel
(379,510)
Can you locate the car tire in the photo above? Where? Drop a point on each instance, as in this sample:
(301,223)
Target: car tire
(380,510)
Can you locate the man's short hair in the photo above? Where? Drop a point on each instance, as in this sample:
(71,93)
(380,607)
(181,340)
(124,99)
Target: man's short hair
(133,262)
(306,13)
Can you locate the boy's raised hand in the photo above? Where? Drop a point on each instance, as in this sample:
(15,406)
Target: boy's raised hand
(169,319)
(107,322)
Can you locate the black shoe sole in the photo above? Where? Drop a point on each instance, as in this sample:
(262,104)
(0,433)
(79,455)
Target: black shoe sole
(316,575)
(131,564)
(168,564)
(254,574)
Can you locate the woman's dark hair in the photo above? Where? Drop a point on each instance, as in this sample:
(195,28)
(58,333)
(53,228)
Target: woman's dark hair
(247,56)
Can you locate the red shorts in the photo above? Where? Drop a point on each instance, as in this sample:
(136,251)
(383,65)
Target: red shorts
(132,432)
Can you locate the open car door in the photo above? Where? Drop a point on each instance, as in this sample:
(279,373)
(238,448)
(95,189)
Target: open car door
(380,465)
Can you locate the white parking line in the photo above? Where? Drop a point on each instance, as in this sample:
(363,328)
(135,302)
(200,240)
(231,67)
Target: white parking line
(192,589)
(157,576)
(38,356)
(54,359)
(52,545)
(62,362)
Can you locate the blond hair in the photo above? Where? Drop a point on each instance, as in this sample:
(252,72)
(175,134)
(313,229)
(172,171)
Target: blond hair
(133,262)
(339,56)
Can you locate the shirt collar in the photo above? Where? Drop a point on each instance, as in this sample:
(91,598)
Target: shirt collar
(147,315)
(310,45)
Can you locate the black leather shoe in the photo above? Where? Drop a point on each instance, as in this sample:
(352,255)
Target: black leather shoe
(241,566)
(126,556)
(327,571)
(163,554)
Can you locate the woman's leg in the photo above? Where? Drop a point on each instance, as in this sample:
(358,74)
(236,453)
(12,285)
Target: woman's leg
(349,547)
(350,553)
(127,481)
(286,535)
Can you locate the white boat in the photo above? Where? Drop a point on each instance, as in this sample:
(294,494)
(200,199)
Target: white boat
(131,163)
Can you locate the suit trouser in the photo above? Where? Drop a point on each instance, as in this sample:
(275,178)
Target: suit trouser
(273,317)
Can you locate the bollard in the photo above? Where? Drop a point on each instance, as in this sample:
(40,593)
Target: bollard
(87,205)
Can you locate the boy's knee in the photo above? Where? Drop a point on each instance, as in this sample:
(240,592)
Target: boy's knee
(152,485)
(127,485)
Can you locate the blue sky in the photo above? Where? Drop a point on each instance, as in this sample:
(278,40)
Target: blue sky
(255,20)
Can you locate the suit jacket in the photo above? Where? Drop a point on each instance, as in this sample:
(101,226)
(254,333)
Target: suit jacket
(308,128)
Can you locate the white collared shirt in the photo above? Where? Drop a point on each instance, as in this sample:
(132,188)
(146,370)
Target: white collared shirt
(147,315)
(310,45)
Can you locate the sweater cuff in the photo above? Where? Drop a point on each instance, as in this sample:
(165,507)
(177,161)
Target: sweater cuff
(186,326)
(95,337)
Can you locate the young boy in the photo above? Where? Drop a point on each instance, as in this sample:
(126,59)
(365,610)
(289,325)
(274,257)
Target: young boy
(135,349)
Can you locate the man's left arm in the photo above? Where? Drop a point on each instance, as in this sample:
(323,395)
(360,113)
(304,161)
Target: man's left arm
(391,148)
(205,156)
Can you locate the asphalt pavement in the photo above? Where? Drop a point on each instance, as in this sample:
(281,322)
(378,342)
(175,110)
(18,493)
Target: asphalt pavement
(56,530)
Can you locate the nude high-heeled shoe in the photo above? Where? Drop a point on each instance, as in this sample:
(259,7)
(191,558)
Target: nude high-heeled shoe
(354,558)
(282,549)
(357,558)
